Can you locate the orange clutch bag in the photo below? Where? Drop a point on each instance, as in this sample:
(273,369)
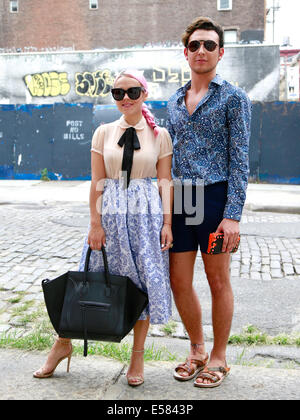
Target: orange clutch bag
(215,243)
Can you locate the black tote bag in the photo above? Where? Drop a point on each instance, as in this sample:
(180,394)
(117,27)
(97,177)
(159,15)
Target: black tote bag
(93,305)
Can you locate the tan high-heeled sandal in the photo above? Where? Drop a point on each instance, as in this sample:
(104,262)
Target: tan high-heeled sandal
(41,374)
(135,380)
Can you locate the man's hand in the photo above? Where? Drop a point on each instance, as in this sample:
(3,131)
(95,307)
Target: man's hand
(231,230)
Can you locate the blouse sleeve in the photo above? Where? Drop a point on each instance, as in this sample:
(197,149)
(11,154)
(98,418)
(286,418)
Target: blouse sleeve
(166,147)
(98,140)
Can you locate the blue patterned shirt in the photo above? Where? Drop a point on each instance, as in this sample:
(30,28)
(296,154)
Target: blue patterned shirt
(212,144)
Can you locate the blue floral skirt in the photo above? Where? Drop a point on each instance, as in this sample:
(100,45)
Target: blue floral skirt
(132,220)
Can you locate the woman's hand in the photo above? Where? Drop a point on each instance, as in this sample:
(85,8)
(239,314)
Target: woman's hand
(96,238)
(166,237)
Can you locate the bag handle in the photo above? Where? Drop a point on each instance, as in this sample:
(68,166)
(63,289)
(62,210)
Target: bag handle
(106,271)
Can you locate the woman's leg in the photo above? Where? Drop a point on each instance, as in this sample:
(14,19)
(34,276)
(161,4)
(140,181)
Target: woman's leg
(60,349)
(136,368)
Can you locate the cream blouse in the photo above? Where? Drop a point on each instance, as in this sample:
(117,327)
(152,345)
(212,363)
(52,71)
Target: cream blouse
(105,141)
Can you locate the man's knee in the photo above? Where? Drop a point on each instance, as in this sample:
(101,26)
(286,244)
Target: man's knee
(181,283)
(181,272)
(176,283)
(219,282)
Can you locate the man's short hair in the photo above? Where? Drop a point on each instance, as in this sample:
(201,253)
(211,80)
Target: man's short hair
(203,23)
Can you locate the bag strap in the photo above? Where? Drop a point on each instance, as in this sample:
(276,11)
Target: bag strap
(85,333)
(87,259)
(106,270)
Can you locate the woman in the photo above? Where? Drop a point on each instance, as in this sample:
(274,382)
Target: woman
(134,223)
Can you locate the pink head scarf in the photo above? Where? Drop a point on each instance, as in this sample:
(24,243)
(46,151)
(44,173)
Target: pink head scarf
(138,75)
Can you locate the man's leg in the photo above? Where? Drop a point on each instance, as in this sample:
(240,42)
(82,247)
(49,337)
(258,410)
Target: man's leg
(217,268)
(186,299)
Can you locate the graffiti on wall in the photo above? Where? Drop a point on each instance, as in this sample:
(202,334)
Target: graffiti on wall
(171,75)
(79,77)
(98,83)
(47,84)
(94,84)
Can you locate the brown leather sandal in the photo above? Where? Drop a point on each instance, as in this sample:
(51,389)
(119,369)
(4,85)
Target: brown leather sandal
(199,361)
(209,373)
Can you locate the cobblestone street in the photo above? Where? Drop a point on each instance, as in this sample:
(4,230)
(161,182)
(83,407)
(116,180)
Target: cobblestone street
(43,241)
(267,257)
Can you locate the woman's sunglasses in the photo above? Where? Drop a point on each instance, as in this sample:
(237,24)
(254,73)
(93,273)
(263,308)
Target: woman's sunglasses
(208,45)
(133,93)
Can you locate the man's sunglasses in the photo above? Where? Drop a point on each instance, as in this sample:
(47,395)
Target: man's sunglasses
(208,45)
(133,93)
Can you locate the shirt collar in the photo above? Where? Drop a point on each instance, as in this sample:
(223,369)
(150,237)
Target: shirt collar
(182,91)
(217,80)
(124,124)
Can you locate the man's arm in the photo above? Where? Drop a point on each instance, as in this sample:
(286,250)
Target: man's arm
(238,118)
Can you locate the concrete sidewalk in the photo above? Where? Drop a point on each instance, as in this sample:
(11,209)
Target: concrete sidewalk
(273,198)
(260,197)
(98,378)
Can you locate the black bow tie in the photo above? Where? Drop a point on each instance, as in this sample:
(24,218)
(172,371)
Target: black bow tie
(131,141)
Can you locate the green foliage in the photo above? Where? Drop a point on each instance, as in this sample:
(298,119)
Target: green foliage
(169,328)
(251,335)
(44,175)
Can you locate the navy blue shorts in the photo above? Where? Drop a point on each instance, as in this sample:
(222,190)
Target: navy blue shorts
(189,237)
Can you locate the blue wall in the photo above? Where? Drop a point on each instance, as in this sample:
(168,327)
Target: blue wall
(58,137)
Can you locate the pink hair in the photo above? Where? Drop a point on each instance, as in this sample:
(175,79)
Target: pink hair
(149,117)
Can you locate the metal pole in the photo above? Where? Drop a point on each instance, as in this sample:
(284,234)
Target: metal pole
(273,21)
(286,77)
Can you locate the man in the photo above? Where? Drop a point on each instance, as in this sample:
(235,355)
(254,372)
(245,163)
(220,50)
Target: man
(209,122)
